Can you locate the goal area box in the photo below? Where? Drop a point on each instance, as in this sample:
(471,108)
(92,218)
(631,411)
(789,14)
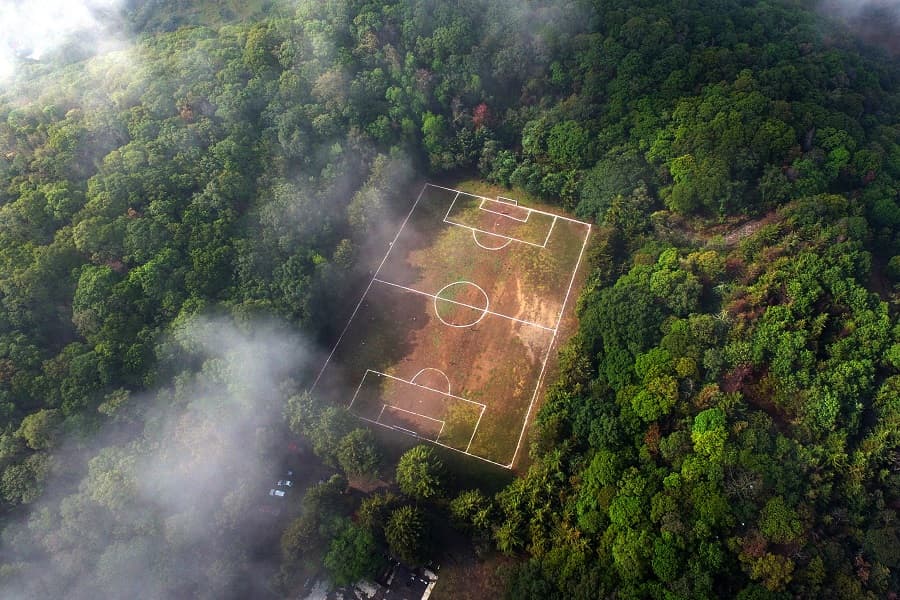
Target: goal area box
(450,341)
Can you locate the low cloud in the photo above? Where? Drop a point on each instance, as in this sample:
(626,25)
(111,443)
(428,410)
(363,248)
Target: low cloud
(180,510)
(859,7)
(31,30)
(876,22)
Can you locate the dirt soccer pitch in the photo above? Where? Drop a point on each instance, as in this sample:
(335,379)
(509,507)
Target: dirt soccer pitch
(451,338)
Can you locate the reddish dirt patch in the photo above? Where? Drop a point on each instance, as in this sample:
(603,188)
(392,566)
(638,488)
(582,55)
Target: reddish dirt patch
(747,229)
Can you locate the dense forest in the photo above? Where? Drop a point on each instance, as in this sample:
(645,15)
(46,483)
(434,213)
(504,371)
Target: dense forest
(185,220)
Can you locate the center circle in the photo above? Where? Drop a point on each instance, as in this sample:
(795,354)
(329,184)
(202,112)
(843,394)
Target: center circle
(461,304)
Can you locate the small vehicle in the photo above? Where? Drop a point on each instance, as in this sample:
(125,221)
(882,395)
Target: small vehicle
(285,483)
(279,493)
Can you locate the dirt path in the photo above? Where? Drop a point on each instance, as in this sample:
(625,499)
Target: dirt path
(749,228)
(699,233)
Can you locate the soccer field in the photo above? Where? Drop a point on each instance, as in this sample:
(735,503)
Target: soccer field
(450,341)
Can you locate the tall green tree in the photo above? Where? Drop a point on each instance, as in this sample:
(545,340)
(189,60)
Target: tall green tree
(353,556)
(420,473)
(407,536)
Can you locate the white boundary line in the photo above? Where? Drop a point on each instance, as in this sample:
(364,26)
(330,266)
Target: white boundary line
(363,297)
(480,245)
(474,431)
(508,216)
(409,289)
(547,239)
(407,431)
(355,394)
(451,204)
(505,200)
(572,280)
(537,386)
(392,407)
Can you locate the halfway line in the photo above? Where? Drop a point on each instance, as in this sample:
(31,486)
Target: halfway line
(481,308)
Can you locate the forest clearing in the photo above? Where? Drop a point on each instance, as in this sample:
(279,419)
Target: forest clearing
(450,340)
